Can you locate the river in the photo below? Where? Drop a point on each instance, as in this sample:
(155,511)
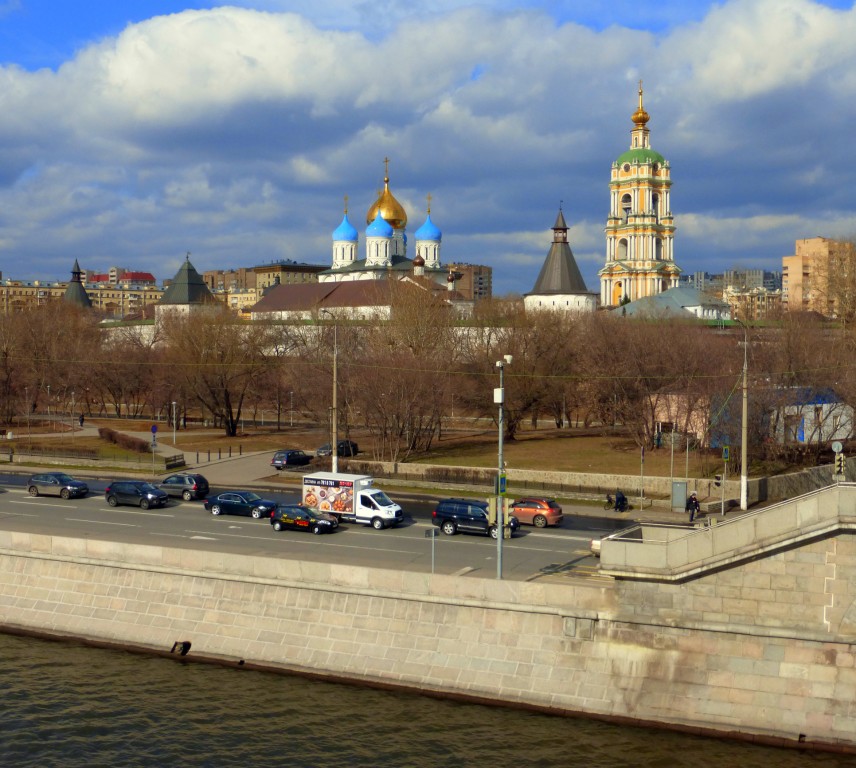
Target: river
(64,704)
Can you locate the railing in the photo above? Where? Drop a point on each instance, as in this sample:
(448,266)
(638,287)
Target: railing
(678,552)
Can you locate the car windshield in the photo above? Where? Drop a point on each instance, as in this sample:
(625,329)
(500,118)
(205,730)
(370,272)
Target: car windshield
(381,498)
(250,496)
(147,487)
(63,478)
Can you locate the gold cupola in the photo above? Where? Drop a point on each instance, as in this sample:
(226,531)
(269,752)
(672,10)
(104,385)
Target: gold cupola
(390,209)
(640,116)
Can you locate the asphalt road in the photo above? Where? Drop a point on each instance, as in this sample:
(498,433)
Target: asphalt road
(409,546)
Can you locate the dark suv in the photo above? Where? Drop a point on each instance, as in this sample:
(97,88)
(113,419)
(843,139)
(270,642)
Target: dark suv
(467,516)
(346,448)
(290,458)
(136,493)
(187,487)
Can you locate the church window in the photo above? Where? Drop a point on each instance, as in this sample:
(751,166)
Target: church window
(658,249)
(625,207)
(655,202)
(626,167)
(621,252)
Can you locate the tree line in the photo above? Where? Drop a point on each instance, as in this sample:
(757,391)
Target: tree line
(402,378)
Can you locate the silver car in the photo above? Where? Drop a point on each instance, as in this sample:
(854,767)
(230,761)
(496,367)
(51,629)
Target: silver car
(56,484)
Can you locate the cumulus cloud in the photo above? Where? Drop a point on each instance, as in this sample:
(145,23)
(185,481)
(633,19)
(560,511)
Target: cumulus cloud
(235,132)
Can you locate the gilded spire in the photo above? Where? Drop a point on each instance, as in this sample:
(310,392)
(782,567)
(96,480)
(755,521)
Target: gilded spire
(640,116)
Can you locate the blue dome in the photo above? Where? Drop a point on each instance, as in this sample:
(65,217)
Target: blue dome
(379,227)
(345,231)
(429,231)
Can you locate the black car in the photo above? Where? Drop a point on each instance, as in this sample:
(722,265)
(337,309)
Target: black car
(290,458)
(240,503)
(56,484)
(137,493)
(467,516)
(345,448)
(185,486)
(302,518)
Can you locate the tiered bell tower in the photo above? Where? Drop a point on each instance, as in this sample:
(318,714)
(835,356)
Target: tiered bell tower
(640,229)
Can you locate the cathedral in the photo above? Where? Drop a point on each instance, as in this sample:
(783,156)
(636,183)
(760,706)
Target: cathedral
(385,245)
(640,229)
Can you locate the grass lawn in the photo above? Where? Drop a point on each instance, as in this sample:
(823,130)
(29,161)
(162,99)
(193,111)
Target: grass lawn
(559,450)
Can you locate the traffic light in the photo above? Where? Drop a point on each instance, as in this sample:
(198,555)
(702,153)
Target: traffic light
(839,464)
(717,480)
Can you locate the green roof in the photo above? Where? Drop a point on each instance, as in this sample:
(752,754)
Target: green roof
(640,155)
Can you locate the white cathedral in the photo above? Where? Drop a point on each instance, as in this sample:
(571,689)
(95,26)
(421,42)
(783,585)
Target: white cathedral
(386,245)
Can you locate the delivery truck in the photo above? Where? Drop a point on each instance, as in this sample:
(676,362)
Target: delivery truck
(351,498)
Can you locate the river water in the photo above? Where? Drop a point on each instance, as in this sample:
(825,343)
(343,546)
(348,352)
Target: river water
(68,705)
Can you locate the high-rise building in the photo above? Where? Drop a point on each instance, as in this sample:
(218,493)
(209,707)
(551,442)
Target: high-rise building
(820,277)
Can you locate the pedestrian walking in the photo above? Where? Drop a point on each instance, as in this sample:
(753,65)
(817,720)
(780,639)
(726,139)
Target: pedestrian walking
(80,421)
(693,507)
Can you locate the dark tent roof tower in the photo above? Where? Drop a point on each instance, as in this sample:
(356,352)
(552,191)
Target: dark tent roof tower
(75,293)
(560,273)
(187,287)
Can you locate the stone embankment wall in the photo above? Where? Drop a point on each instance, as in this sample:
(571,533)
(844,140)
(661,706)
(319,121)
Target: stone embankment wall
(764,650)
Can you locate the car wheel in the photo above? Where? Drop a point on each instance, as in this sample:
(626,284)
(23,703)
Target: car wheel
(540,521)
(215,509)
(256,513)
(492,531)
(33,490)
(377,524)
(316,529)
(144,503)
(277,526)
(113,501)
(449,528)
(64,494)
(187,496)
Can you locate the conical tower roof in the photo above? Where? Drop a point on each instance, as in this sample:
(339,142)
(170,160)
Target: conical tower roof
(560,273)
(75,293)
(187,287)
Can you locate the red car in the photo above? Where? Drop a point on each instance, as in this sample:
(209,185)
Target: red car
(537,511)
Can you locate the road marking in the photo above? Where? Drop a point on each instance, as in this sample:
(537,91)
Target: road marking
(114,511)
(39,504)
(99,522)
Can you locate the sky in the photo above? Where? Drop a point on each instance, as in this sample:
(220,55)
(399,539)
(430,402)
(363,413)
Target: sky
(133,133)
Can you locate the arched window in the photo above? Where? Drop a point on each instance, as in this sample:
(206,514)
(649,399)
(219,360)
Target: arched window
(655,201)
(621,250)
(658,249)
(625,207)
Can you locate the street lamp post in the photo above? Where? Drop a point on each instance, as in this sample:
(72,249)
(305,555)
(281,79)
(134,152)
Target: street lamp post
(173,424)
(334,414)
(72,415)
(499,399)
(291,410)
(744,426)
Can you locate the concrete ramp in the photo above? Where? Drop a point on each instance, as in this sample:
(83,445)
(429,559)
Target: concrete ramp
(678,553)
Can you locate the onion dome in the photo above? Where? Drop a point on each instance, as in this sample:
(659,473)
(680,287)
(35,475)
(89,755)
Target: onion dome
(379,227)
(429,231)
(450,278)
(418,261)
(345,231)
(640,116)
(388,207)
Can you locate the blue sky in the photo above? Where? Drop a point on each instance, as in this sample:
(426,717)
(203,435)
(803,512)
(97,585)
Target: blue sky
(134,132)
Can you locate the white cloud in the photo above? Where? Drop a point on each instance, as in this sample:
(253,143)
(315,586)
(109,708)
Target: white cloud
(234,133)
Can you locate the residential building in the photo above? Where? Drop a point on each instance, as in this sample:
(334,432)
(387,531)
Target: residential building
(472,281)
(240,279)
(820,277)
(754,303)
(284,272)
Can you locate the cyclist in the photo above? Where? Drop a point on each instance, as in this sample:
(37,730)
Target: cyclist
(620,502)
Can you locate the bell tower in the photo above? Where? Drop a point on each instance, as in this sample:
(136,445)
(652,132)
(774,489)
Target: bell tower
(640,228)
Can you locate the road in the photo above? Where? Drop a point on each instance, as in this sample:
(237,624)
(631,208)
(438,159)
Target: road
(409,546)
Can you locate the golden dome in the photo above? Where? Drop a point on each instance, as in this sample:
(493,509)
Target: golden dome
(390,209)
(640,116)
